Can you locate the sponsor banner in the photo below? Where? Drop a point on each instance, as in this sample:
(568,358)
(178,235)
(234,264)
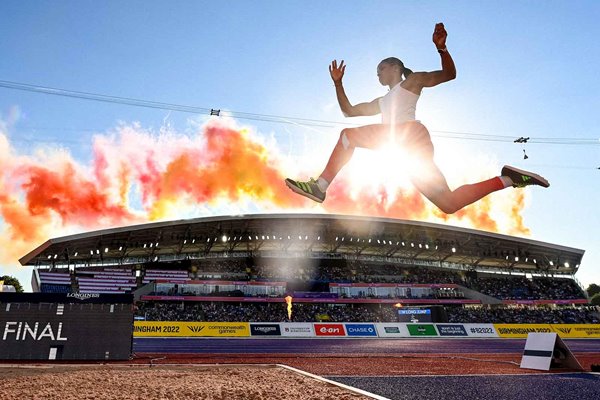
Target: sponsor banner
(451,329)
(577,330)
(12,297)
(265,330)
(421,330)
(304,300)
(360,330)
(521,330)
(190,329)
(480,330)
(537,302)
(330,330)
(391,329)
(298,329)
(418,285)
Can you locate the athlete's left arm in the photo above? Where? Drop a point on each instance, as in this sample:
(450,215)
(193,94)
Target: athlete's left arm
(429,79)
(419,80)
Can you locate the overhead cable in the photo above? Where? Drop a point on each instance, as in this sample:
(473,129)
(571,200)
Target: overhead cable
(304,122)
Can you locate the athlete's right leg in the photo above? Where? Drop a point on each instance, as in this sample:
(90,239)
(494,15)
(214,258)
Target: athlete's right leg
(369,136)
(432,184)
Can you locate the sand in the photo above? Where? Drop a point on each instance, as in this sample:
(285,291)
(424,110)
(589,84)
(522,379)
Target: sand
(164,382)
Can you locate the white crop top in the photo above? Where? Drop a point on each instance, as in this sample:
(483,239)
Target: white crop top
(398,106)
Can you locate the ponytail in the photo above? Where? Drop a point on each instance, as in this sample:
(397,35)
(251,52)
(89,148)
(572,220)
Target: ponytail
(396,61)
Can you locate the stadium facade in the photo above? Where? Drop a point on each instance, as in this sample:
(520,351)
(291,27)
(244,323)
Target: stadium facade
(308,236)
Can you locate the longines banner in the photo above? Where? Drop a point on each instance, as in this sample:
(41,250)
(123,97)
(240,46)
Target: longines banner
(265,330)
(190,329)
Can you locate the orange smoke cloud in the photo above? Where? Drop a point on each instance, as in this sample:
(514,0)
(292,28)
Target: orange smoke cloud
(136,176)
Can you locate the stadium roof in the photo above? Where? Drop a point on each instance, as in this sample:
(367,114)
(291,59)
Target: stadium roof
(311,235)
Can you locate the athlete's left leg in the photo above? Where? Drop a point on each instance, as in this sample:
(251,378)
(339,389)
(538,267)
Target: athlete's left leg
(432,184)
(429,180)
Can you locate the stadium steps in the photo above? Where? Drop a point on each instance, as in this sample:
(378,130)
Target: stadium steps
(74,284)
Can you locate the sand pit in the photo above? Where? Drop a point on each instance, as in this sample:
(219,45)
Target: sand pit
(224,382)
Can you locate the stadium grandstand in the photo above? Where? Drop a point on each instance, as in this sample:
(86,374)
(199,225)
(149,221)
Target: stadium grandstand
(335,268)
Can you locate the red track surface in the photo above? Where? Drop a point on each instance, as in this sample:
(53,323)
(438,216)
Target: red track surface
(372,364)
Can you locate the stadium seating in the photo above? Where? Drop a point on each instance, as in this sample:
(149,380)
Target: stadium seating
(106,280)
(171,275)
(522,288)
(55,282)
(302,312)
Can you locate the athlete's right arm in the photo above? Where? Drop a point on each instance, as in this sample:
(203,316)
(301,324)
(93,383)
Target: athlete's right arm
(362,109)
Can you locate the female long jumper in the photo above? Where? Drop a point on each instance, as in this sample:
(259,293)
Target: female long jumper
(399,127)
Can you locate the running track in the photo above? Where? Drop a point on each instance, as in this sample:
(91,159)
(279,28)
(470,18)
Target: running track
(344,346)
(506,387)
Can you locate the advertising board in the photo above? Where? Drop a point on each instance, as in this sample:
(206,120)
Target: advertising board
(360,330)
(297,329)
(421,330)
(330,330)
(190,329)
(521,330)
(391,330)
(481,330)
(577,330)
(451,330)
(265,330)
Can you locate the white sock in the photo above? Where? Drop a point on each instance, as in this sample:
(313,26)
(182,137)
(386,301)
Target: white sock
(506,181)
(323,184)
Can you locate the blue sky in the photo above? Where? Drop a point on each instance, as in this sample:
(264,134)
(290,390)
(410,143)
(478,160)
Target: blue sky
(523,70)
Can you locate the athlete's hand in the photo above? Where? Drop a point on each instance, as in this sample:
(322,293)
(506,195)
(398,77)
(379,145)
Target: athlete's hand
(439,36)
(337,72)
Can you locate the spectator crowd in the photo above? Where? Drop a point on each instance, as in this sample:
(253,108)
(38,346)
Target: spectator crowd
(319,312)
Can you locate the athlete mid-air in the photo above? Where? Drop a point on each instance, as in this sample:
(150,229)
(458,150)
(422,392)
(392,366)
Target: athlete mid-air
(399,127)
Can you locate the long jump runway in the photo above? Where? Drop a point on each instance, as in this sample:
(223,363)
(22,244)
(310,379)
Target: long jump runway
(344,346)
(399,368)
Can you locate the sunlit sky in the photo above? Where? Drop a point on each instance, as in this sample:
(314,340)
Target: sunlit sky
(524,70)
